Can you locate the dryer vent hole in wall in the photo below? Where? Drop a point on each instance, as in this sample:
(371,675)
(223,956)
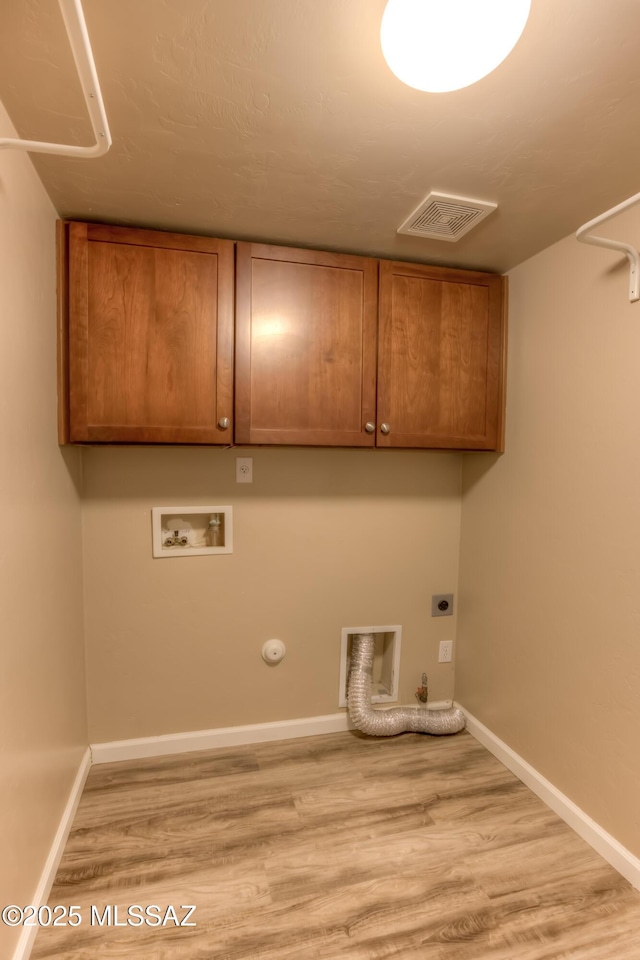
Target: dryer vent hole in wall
(386,662)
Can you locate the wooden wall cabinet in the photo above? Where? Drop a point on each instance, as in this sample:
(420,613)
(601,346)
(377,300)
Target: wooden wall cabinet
(305,346)
(327,353)
(148,352)
(441,357)
(330,349)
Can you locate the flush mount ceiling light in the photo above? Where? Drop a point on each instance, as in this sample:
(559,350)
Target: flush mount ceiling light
(443,45)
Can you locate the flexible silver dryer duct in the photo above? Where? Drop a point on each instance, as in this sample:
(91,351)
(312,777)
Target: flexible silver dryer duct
(388,723)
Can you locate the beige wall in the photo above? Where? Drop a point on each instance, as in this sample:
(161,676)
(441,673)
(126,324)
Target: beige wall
(323,539)
(549,628)
(42,689)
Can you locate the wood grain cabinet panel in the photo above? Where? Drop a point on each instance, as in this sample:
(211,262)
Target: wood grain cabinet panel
(305,346)
(440,357)
(150,336)
(330,349)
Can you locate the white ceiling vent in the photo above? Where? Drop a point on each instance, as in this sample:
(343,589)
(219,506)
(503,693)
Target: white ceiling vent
(441,217)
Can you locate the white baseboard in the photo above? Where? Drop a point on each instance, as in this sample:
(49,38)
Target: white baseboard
(607,846)
(48,875)
(220,737)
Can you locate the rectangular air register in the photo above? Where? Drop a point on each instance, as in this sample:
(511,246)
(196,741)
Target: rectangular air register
(442,217)
(192,531)
(386,662)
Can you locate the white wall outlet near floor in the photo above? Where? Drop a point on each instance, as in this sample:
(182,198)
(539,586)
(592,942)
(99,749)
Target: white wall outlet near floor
(445,654)
(244,469)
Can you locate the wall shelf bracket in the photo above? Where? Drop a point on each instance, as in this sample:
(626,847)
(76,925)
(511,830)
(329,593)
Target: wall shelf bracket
(76,28)
(584,236)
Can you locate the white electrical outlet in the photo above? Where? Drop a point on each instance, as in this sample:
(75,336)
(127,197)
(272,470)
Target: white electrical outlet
(446,651)
(244,469)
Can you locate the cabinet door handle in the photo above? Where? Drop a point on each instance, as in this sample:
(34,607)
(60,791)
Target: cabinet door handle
(385,428)
(224,423)
(369,427)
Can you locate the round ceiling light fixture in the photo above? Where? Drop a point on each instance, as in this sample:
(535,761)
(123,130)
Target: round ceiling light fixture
(443,45)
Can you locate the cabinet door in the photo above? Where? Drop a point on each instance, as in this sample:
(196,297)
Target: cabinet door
(441,357)
(150,336)
(305,346)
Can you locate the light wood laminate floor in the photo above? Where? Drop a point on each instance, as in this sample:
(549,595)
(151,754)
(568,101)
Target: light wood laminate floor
(334,847)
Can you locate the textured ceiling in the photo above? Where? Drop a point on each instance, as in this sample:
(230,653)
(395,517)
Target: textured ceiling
(278,120)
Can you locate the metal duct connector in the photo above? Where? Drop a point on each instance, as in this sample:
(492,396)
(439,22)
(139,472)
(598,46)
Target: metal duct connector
(388,723)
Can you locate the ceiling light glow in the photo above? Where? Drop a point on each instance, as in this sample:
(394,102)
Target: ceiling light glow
(443,45)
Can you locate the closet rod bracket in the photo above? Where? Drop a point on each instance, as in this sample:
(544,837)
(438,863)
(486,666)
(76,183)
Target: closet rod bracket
(584,236)
(76,28)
